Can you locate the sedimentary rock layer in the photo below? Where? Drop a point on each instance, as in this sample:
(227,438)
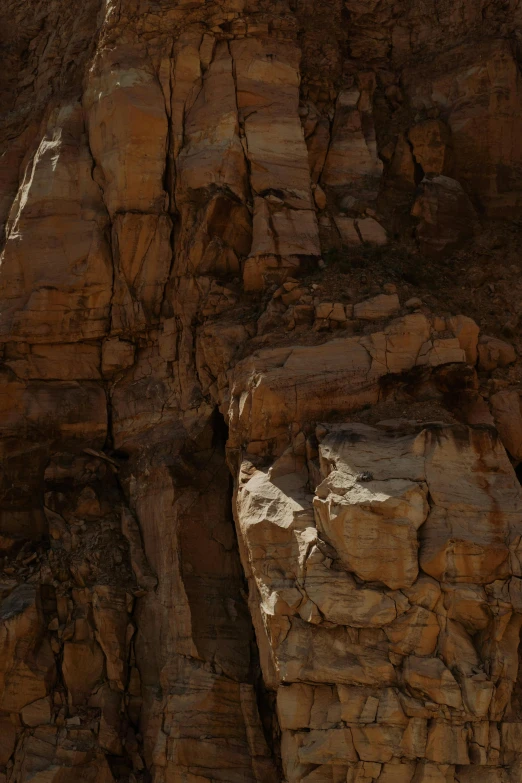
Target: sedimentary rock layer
(260,517)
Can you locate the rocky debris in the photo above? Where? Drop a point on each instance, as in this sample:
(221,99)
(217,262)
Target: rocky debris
(294,304)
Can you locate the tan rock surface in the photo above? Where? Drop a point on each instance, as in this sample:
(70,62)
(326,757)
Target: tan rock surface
(259,321)
(431,146)
(507,413)
(56,274)
(434,660)
(352,161)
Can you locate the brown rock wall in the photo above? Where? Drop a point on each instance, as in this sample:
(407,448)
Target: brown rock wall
(235,546)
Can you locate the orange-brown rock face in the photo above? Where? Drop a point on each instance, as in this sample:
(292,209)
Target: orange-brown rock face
(260,398)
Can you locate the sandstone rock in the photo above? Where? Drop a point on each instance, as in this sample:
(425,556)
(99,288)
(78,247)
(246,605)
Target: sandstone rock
(354,701)
(432,679)
(82,669)
(511,735)
(326,709)
(73,362)
(210,161)
(42,754)
(371,231)
(37,713)
(357,458)
(328,747)
(317,136)
(467,604)
(323,309)
(465,556)
(447,744)
(142,258)
(295,379)
(403,337)
(413,744)
(431,146)
(466,331)
(162,164)
(456,85)
(396,773)
(110,731)
(424,592)
(381,306)
(505,407)
(116,355)
(402,166)
(377,743)
(352,159)
(212,151)
(127,125)
(477,694)
(487,774)
(427,772)
(130,529)
(111,621)
(319,197)
(332,658)
(339,600)
(447,217)
(7,739)
(377,514)
(267,78)
(294,705)
(456,649)
(438,352)
(414,633)
(494,353)
(347,228)
(390,710)
(334,311)
(64,293)
(354,506)
(27,668)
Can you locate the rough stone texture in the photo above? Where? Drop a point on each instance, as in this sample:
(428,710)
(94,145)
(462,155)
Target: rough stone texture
(260,517)
(398,643)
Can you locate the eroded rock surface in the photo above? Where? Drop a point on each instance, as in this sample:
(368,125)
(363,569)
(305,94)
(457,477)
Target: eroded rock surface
(260,517)
(364,590)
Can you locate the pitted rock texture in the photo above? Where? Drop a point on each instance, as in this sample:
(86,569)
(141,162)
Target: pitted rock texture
(260,398)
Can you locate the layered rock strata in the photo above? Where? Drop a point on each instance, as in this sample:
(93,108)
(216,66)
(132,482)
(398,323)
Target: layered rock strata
(260,517)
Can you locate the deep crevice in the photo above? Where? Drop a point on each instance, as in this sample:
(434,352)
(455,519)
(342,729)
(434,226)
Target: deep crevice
(265,698)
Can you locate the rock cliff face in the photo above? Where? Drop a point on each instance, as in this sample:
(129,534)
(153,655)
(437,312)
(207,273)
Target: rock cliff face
(261,417)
